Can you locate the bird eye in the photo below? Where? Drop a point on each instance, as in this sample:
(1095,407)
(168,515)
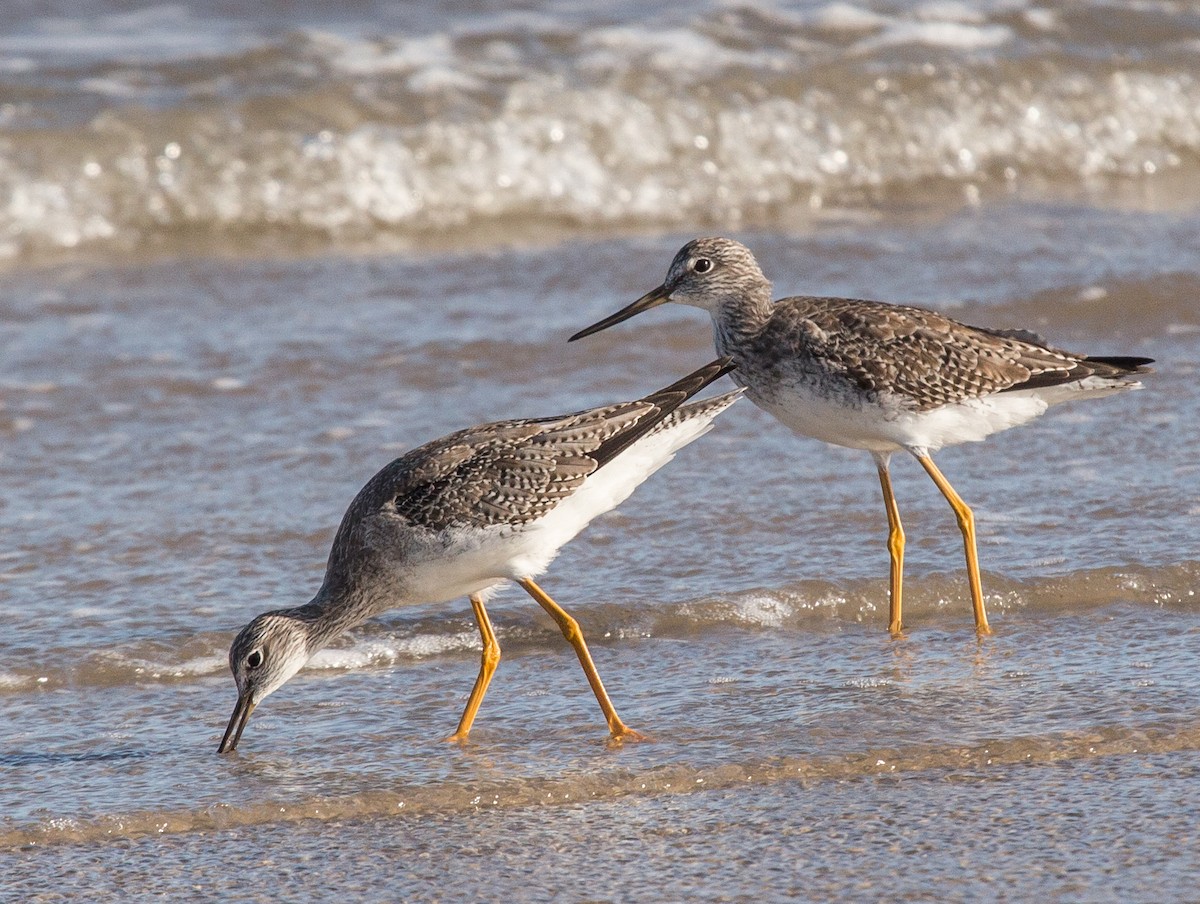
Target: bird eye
(254,660)
(702,265)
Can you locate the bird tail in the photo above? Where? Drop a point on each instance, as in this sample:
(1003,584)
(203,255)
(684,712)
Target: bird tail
(708,408)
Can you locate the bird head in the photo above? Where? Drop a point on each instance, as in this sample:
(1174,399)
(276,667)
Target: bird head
(704,273)
(264,655)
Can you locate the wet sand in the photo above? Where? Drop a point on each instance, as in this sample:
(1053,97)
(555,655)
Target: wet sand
(1057,759)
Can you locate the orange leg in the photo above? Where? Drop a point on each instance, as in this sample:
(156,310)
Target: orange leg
(966,524)
(895,546)
(487,668)
(574,635)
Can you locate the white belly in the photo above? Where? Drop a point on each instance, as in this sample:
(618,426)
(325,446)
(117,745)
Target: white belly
(879,428)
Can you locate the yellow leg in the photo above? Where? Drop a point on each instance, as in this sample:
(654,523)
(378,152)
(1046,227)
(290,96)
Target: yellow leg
(895,547)
(487,668)
(574,635)
(966,524)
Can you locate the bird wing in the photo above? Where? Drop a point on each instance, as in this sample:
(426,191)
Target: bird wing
(510,472)
(919,358)
(513,472)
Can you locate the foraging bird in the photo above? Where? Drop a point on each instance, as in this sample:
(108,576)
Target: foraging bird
(462,514)
(876,376)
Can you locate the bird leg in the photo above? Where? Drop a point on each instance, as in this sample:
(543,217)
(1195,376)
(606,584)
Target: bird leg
(895,545)
(574,635)
(966,524)
(487,667)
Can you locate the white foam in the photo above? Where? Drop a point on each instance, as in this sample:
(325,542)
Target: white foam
(368,653)
(432,79)
(868,683)
(611,131)
(429,60)
(848,17)
(763,611)
(111,87)
(10,681)
(201,665)
(670,51)
(955,35)
(950,11)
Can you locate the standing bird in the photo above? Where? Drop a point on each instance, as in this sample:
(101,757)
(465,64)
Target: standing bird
(877,376)
(462,514)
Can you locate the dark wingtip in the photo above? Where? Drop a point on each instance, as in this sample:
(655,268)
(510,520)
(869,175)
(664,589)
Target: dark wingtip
(688,386)
(1114,368)
(666,400)
(1124,364)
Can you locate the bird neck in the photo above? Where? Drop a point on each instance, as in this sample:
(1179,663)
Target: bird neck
(335,609)
(738,317)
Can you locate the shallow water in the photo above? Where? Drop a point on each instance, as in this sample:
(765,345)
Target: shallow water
(192,392)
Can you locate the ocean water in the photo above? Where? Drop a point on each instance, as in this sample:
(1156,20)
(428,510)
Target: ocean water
(249,255)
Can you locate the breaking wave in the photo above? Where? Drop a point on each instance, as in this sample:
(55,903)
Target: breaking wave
(730,116)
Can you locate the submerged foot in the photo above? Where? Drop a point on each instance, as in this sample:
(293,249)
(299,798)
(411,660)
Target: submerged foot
(627,735)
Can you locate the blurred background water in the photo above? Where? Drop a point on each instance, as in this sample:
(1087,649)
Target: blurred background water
(251,252)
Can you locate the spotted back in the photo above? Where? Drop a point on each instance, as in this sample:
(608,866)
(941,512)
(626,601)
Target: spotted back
(914,357)
(514,472)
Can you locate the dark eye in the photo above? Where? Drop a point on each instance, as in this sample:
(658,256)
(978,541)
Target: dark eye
(254,660)
(702,265)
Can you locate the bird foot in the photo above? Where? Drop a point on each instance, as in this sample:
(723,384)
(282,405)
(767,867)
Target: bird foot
(624,735)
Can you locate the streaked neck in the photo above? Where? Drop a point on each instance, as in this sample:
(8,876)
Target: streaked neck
(738,318)
(334,610)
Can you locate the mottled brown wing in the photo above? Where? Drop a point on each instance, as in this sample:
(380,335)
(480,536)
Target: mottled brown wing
(919,358)
(506,472)
(514,472)
(518,483)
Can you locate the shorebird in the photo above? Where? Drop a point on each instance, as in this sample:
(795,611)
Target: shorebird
(463,514)
(876,376)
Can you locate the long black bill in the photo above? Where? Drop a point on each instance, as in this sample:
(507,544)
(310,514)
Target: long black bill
(651,299)
(237,722)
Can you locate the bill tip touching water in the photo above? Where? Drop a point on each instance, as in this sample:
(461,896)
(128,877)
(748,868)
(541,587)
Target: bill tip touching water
(464,513)
(879,377)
